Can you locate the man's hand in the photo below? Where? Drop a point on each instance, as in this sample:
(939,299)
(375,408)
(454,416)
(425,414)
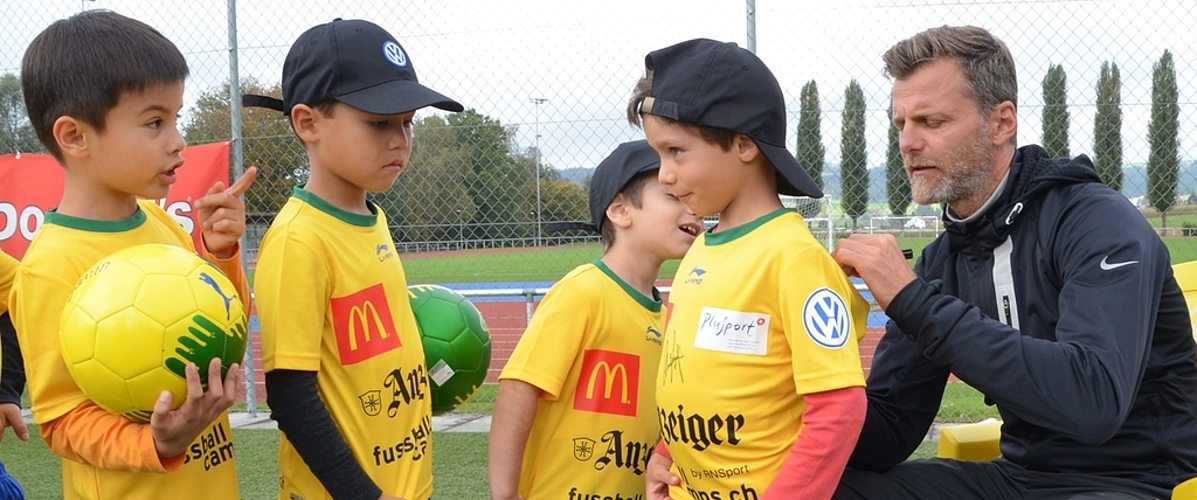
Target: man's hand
(222,214)
(174,430)
(878,260)
(658,478)
(10,416)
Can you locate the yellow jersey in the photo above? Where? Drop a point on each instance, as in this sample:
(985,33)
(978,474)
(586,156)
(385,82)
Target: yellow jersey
(332,299)
(758,315)
(592,348)
(64,248)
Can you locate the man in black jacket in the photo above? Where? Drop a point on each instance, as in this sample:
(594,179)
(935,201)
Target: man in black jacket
(1048,292)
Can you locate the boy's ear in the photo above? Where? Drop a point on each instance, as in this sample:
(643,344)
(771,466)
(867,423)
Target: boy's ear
(745,148)
(305,120)
(619,213)
(71,135)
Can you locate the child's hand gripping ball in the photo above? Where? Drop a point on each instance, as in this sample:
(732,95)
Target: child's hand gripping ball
(135,319)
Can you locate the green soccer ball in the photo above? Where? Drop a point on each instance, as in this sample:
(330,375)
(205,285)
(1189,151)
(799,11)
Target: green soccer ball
(456,344)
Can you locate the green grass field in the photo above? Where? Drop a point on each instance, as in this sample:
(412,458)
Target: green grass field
(459,466)
(551,263)
(531,264)
(459,458)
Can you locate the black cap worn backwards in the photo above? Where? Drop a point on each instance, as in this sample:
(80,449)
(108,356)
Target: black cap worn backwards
(354,62)
(610,177)
(716,84)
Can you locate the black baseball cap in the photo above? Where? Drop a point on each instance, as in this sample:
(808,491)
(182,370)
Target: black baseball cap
(354,62)
(610,177)
(717,84)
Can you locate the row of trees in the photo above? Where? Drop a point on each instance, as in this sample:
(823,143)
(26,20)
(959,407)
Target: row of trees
(471,182)
(1163,161)
(16,135)
(1163,164)
(468,181)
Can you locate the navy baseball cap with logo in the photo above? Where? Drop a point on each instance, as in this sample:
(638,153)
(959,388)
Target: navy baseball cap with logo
(354,62)
(716,84)
(610,177)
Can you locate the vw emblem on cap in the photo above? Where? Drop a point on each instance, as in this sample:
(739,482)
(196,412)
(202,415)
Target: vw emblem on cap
(394,53)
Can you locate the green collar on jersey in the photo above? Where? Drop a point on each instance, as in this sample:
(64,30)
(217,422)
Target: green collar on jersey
(96,226)
(341,214)
(653,304)
(734,233)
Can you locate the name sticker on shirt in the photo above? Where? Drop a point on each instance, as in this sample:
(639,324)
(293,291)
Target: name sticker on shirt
(827,319)
(733,331)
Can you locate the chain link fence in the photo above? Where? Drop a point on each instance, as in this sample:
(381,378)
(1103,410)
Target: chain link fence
(546,84)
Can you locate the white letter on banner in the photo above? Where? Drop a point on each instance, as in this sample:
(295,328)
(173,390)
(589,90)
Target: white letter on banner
(35,213)
(181,207)
(10,220)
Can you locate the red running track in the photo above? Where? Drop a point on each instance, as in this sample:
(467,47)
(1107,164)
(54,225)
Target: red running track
(507,321)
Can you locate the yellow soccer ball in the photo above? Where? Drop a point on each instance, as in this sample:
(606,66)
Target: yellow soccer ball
(136,318)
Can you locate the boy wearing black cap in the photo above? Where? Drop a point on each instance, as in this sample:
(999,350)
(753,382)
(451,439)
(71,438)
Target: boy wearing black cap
(345,374)
(575,416)
(761,392)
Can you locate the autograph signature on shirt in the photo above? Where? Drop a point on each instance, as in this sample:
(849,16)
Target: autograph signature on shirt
(673,362)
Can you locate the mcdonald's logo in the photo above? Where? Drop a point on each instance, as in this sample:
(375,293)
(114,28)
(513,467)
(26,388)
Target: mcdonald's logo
(608,383)
(363,325)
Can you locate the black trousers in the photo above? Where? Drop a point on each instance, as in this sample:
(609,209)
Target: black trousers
(944,479)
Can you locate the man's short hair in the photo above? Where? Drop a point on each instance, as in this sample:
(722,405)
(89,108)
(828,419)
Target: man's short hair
(986,62)
(82,65)
(643,90)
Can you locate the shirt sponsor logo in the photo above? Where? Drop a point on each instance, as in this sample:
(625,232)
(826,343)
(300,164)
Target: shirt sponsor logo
(583,449)
(213,447)
(621,452)
(732,331)
(383,252)
(699,431)
(652,335)
(414,445)
(363,325)
(371,402)
(574,494)
(826,318)
(609,383)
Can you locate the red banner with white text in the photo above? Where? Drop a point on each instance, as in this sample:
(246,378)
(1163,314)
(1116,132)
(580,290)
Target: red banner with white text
(31,184)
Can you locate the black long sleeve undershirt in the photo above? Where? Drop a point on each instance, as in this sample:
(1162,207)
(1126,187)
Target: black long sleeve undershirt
(12,369)
(302,416)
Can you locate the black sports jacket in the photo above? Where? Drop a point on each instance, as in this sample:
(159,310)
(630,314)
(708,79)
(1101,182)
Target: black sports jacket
(1056,301)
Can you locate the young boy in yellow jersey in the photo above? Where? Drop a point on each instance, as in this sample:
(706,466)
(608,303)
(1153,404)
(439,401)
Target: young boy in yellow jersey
(760,392)
(103,93)
(575,416)
(345,374)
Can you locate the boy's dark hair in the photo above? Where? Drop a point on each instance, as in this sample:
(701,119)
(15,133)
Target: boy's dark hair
(643,90)
(82,65)
(325,108)
(633,192)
